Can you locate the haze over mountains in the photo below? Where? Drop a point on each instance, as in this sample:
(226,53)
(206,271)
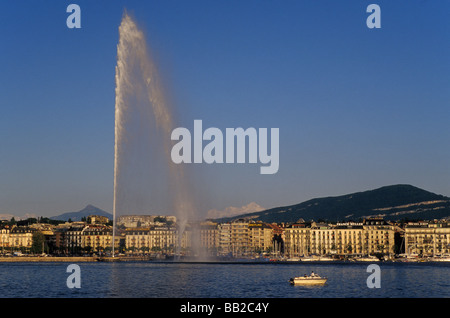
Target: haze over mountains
(393,202)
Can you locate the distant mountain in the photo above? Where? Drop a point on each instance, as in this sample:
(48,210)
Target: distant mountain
(394,202)
(76,216)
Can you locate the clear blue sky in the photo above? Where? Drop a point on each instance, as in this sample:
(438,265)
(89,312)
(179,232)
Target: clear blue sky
(357,108)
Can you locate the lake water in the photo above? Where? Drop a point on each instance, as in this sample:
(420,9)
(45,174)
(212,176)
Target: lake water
(203,280)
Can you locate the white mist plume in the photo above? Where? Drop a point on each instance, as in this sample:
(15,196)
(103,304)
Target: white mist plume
(140,103)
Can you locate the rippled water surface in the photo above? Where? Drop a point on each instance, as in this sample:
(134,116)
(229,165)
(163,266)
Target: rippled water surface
(195,280)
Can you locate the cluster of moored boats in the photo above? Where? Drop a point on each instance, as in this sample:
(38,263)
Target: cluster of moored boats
(372,258)
(369,258)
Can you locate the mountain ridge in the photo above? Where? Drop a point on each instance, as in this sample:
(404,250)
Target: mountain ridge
(78,215)
(392,202)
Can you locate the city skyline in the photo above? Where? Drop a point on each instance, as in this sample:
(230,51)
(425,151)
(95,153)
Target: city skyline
(357,108)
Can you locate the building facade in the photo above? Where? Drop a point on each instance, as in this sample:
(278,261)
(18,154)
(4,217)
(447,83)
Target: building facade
(240,237)
(260,237)
(224,239)
(427,238)
(379,237)
(350,238)
(297,240)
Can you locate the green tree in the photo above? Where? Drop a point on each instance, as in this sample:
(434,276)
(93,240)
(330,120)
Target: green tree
(38,241)
(12,221)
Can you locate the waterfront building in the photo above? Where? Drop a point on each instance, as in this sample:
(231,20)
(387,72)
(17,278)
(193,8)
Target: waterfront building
(137,239)
(297,240)
(379,236)
(165,239)
(153,239)
(4,238)
(80,237)
(95,238)
(240,237)
(73,238)
(322,239)
(68,237)
(209,236)
(427,238)
(441,237)
(21,237)
(260,237)
(60,234)
(224,238)
(349,238)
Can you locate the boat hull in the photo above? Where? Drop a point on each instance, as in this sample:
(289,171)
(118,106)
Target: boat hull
(307,281)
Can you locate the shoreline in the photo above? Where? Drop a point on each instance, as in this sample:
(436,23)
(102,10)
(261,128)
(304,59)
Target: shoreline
(35,259)
(92,259)
(68,259)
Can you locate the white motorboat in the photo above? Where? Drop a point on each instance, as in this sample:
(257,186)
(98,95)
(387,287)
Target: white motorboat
(313,279)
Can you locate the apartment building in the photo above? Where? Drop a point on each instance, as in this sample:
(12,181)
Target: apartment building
(165,238)
(158,238)
(379,236)
(21,236)
(96,238)
(4,239)
(68,237)
(239,234)
(209,236)
(297,240)
(224,238)
(322,238)
(260,237)
(368,237)
(427,238)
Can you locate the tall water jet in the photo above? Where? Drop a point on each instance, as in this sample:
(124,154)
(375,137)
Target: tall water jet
(143,126)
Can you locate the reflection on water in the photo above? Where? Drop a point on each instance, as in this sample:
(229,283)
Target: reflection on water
(195,280)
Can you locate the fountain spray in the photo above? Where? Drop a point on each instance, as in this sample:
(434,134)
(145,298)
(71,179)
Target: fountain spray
(138,91)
